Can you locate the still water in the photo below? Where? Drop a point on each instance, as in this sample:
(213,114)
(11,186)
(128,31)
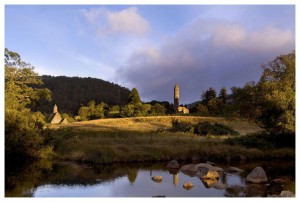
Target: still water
(69,179)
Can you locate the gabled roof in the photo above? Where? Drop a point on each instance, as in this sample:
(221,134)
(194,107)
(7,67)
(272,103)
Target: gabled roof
(64,121)
(56,118)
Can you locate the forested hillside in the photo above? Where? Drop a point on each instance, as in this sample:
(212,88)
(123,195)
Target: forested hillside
(69,93)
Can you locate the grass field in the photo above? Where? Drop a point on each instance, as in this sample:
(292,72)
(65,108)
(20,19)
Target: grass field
(152,124)
(148,139)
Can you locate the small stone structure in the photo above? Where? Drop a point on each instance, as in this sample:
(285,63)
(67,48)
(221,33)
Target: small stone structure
(177,107)
(56,117)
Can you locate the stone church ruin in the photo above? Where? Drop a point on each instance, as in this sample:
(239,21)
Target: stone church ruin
(177,107)
(56,117)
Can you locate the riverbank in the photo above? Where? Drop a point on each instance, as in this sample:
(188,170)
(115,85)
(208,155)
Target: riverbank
(148,139)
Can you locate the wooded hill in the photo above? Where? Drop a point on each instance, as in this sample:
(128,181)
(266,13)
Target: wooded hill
(69,93)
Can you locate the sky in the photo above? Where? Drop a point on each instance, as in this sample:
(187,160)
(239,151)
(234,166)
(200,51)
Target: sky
(152,47)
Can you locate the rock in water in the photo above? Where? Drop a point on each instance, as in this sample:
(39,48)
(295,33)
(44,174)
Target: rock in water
(218,169)
(188,185)
(211,174)
(258,175)
(208,183)
(189,167)
(234,169)
(211,163)
(173,164)
(190,170)
(157,178)
(203,165)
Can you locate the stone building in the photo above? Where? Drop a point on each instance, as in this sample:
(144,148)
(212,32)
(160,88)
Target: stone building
(56,117)
(177,107)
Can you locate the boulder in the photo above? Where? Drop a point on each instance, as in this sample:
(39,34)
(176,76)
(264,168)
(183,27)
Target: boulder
(286,193)
(210,163)
(188,185)
(190,170)
(218,169)
(202,172)
(205,173)
(157,178)
(189,167)
(173,164)
(203,165)
(257,175)
(208,183)
(211,174)
(234,169)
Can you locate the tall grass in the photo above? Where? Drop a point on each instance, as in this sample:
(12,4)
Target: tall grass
(131,146)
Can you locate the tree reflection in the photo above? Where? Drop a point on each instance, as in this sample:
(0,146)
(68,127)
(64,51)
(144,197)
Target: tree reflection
(132,175)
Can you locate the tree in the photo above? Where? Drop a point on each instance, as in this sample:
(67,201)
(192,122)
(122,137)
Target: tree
(246,101)
(23,128)
(201,109)
(84,113)
(157,110)
(277,85)
(134,97)
(223,94)
(208,95)
(100,110)
(270,102)
(91,105)
(127,111)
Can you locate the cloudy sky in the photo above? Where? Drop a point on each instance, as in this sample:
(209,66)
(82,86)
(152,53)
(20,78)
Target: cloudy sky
(152,47)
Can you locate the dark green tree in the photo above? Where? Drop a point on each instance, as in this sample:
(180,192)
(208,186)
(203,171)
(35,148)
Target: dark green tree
(134,97)
(23,128)
(127,111)
(158,110)
(201,110)
(246,101)
(223,94)
(208,95)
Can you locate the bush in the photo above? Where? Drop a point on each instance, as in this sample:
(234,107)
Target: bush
(181,126)
(202,128)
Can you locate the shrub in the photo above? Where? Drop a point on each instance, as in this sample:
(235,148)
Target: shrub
(202,128)
(181,126)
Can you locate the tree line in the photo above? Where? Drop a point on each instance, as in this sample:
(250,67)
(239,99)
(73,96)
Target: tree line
(270,102)
(70,93)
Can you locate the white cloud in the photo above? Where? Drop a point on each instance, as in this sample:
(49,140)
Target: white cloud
(127,21)
(106,22)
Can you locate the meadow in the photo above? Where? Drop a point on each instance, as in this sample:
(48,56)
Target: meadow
(149,139)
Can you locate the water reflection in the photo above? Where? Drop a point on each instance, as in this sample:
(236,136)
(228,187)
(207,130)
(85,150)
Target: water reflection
(69,179)
(175,179)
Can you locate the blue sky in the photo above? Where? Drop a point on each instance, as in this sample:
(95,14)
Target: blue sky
(152,47)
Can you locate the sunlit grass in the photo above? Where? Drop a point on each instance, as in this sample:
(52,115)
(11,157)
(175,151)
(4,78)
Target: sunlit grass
(149,139)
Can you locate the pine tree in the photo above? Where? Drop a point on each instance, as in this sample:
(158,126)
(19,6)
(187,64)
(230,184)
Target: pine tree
(134,97)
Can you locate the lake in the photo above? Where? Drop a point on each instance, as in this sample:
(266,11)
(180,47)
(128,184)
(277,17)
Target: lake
(70,179)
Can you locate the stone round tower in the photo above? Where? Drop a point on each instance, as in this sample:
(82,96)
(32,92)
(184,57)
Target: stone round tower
(176,96)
